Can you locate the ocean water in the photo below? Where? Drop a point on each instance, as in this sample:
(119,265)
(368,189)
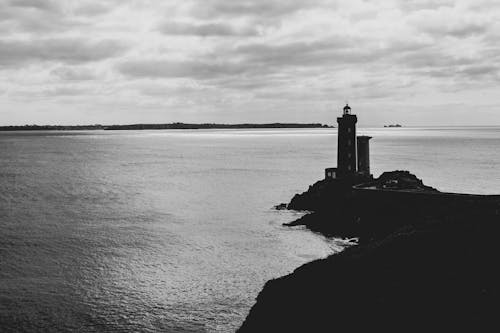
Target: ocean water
(174,231)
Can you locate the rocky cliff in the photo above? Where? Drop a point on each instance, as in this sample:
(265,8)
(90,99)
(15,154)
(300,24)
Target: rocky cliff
(426,261)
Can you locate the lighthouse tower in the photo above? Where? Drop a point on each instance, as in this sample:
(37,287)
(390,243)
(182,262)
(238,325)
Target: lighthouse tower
(346,148)
(353,152)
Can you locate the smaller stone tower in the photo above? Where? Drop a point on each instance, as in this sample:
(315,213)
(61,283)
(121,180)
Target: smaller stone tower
(364,155)
(346,148)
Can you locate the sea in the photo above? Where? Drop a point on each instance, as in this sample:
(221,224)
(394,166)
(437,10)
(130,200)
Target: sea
(174,230)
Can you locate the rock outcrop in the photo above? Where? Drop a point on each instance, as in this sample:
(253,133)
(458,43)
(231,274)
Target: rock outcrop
(373,208)
(426,261)
(440,276)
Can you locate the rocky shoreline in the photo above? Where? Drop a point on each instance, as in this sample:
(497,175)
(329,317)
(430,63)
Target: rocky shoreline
(425,261)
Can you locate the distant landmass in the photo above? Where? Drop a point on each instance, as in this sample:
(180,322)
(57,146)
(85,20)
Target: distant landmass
(212,126)
(157,126)
(51,127)
(393,125)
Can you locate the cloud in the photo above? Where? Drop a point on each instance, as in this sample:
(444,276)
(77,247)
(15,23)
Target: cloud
(205,29)
(251,61)
(45,5)
(252,82)
(257,54)
(256,8)
(433,57)
(481,70)
(302,53)
(93,9)
(449,21)
(414,5)
(198,69)
(65,91)
(465,74)
(161,91)
(469,29)
(34,16)
(66,73)
(65,50)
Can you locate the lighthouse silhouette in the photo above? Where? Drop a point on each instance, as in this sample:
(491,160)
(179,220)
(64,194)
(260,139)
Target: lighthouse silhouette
(346,147)
(353,152)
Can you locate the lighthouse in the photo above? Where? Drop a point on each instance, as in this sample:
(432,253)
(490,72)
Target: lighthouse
(353,153)
(346,147)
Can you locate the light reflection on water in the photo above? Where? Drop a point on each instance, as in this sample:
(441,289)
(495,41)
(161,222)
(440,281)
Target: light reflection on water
(174,230)
(113,231)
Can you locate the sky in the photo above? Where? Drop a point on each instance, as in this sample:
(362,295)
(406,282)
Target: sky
(413,62)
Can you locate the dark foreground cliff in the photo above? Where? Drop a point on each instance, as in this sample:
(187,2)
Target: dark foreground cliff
(426,261)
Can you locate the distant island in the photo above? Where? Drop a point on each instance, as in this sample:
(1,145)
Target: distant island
(393,125)
(158,126)
(212,126)
(51,128)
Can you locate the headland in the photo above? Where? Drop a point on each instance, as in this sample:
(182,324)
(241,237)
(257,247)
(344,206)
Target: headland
(425,260)
(159,126)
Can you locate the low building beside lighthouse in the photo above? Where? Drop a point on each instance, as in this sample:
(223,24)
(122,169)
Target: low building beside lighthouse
(353,152)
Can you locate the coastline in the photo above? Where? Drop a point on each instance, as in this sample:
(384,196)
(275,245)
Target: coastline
(425,261)
(160,126)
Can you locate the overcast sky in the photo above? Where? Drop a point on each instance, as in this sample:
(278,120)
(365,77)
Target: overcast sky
(415,62)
